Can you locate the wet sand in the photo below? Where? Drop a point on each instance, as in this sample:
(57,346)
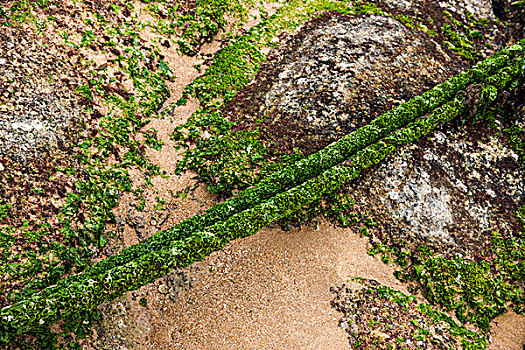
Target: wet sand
(268,291)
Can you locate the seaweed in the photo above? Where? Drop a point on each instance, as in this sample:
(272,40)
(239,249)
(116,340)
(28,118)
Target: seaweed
(112,277)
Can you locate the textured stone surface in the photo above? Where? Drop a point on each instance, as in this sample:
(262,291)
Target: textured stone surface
(337,74)
(449,191)
(479,8)
(36,102)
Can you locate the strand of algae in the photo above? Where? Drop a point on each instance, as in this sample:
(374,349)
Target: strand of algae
(87,291)
(12,317)
(333,154)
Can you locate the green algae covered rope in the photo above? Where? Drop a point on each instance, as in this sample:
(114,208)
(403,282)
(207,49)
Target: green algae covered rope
(87,291)
(12,318)
(145,262)
(333,154)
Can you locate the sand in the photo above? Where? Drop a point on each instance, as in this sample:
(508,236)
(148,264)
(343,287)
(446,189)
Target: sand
(268,291)
(272,291)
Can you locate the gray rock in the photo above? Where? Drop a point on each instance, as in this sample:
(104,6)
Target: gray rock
(450,191)
(37,105)
(337,74)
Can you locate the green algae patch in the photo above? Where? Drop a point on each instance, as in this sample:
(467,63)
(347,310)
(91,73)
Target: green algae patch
(476,291)
(109,280)
(200,24)
(459,43)
(231,70)
(298,172)
(238,62)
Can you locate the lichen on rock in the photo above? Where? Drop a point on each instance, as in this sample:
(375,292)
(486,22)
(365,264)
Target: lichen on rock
(449,192)
(37,105)
(337,74)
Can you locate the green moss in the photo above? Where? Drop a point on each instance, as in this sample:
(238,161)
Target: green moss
(100,165)
(476,291)
(469,339)
(513,133)
(459,43)
(505,78)
(451,18)
(516,139)
(231,69)
(296,174)
(110,278)
(229,161)
(205,21)
(282,194)
(228,67)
